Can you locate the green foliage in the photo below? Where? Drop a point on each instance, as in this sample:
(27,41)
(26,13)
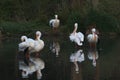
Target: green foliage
(73,18)
(63,11)
(20,13)
(13,27)
(7,10)
(105,22)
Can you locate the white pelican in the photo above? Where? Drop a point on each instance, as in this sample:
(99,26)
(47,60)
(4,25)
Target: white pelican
(92,38)
(55,48)
(32,45)
(35,65)
(77,37)
(54,23)
(93,55)
(38,43)
(25,45)
(77,57)
(26,42)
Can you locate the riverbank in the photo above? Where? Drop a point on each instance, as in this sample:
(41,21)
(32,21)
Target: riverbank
(16,30)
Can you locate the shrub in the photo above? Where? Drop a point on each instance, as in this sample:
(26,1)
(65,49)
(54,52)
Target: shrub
(103,21)
(15,28)
(74,17)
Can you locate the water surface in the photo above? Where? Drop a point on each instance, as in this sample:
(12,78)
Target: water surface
(59,66)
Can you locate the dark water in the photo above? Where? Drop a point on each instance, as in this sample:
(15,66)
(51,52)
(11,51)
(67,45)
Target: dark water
(59,67)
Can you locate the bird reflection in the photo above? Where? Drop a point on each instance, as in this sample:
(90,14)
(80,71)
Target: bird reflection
(55,48)
(35,66)
(93,55)
(76,57)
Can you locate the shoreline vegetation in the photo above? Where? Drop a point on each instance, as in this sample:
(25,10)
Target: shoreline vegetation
(21,17)
(16,30)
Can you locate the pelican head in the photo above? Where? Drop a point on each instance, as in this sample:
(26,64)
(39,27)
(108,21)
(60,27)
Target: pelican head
(75,28)
(38,34)
(23,38)
(93,30)
(56,16)
(76,24)
(24,74)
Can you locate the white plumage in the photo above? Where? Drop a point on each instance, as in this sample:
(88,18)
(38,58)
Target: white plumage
(23,38)
(26,42)
(55,48)
(38,43)
(54,23)
(92,38)
(77,37)
(32,45)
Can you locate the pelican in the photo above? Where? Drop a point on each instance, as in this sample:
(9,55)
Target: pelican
(92,38)
(32,45)
(24,47)
(93,55)
(38,43)
(54,23)
(77,57)
(26,42)
(77,37)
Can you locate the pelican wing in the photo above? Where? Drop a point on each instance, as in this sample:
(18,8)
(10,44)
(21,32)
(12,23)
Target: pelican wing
(80,36)
(51,22)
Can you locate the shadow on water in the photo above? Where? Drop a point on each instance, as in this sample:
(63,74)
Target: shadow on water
(55,58)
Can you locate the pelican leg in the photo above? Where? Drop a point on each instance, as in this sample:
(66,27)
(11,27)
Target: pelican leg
(90,45)
(95,46)
(27,56)
(37,54)
(26,53)
(76,46)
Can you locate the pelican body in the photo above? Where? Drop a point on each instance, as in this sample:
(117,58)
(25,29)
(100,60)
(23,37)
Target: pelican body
(92,38)
(32,45)
(54,23)
(38,43)
(26,42)
(77,37)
